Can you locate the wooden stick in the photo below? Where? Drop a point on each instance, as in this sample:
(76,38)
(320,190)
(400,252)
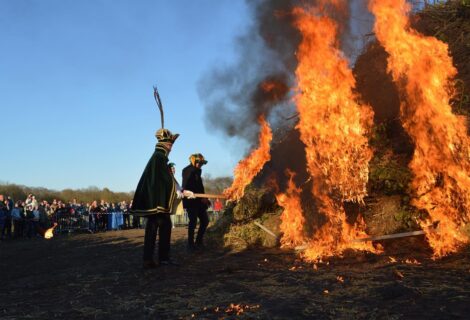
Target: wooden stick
(208,195)
(265,229)
(377,238)
(390,236)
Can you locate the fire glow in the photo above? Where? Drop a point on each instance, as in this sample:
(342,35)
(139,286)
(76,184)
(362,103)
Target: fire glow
(292,219)
(333,128)
(423,70)
(50,232)
(249,167)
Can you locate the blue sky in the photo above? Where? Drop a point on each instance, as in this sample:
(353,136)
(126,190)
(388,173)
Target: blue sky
(76,83)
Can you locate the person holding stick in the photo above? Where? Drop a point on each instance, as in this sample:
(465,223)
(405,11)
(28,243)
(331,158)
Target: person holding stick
(154,199)
(196,207)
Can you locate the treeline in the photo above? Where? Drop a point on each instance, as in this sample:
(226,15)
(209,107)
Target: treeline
(19,192)
(216,185)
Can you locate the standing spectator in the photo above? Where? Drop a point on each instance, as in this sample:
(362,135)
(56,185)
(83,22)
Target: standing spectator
(62,214)
(103,217)
(74,205)
(93,216)
(29,216)
(218,207)
(17,215)
(34,203)
(10,204)
(28,207)
(3,214)
(118,219)
(53,207)
(6,230)
(35,220)
(196,208)
(111,214)
(125,214)
(43,221)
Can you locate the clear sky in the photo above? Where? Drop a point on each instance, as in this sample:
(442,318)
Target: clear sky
(76,77)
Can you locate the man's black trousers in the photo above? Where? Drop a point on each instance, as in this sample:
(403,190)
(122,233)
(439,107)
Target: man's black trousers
(193,215)
(160,223)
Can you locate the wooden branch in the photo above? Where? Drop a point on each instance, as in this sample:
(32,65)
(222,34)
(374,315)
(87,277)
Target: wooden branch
(265,229)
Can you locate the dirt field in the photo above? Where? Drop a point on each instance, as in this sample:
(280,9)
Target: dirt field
(100,277)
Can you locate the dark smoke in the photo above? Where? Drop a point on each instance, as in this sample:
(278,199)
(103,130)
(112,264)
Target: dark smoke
(260,80)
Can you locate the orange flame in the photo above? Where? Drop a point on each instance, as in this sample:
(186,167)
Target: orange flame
(333,127)
(249,167)
(332,124)
(50,232)
(441,162)
(292,219)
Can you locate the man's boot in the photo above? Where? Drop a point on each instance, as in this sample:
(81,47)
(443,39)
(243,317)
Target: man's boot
(191,246)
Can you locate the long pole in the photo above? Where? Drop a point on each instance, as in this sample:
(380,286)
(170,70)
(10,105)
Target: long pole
(209,195)
(390,236)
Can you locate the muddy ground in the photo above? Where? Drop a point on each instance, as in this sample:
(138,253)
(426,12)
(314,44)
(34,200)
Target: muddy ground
(99,276)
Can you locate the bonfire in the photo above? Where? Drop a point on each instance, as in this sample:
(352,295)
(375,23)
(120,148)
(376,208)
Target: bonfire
(335,127)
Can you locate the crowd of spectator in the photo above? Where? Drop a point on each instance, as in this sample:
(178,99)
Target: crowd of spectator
(29,218)
(26,218)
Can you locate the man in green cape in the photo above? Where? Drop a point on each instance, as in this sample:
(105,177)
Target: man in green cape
(154,199)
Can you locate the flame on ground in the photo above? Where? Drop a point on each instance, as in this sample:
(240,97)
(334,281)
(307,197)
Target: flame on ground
(333,127)
(249,167)
(292,219)
(50,232)
(423,70)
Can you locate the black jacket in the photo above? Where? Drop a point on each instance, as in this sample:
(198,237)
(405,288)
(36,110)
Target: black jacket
(192,181)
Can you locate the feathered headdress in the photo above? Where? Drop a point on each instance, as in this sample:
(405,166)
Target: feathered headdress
(163,135)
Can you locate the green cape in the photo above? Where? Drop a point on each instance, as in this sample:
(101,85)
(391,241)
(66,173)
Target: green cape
(156,191)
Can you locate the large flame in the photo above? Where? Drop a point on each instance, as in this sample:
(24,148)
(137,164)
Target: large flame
(249,167)
(292,219)
(333,127)
(423,70)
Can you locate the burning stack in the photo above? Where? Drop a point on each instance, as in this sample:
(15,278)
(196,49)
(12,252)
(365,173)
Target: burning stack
(334,129)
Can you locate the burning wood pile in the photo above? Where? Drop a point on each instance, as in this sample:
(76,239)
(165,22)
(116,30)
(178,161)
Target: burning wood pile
(335,129)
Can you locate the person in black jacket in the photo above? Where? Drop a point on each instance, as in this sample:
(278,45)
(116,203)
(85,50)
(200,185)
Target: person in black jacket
(196,207)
